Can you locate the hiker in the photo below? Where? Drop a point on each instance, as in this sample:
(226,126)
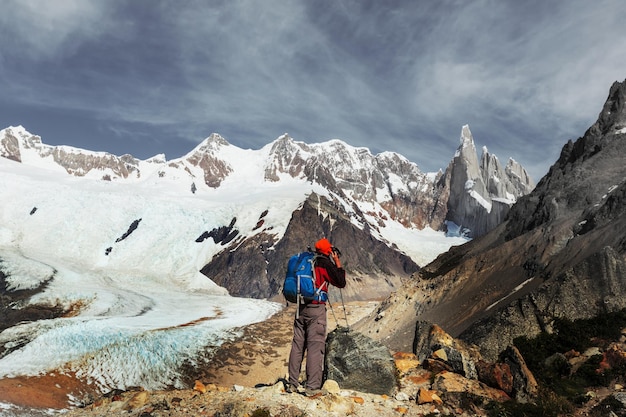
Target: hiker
(309,326)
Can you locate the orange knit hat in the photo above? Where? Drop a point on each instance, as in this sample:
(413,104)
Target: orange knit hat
(323,246)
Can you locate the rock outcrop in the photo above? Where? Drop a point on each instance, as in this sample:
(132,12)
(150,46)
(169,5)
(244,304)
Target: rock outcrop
(443,355)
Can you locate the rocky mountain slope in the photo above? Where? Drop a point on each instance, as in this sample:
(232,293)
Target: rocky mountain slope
(560,253)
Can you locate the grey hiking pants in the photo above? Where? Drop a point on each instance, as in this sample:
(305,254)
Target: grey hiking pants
(309,335)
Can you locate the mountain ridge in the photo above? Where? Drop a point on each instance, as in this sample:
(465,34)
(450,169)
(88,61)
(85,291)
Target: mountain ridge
(559,245)
(371,193)
(406,194)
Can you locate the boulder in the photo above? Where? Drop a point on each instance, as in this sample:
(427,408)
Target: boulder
(496,375)
(360,363)
(454,388)
(524,384)
(405,362)
(432,344)
(137,400)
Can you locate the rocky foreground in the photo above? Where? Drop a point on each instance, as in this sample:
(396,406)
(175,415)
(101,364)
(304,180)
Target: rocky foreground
(244,379)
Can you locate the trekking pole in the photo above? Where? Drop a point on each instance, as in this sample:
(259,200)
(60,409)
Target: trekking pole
(344,309)
(332,310)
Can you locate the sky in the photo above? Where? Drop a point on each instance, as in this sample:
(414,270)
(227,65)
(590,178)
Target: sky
(146,77)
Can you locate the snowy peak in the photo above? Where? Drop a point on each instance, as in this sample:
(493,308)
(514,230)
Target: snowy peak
(466,153)
(18,144)
(15,141)
(481,192)
(286,156)
(386,185)
(207,156)
(467,140)
(210,145)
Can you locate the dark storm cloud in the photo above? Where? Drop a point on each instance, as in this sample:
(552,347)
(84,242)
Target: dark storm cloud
(145,77)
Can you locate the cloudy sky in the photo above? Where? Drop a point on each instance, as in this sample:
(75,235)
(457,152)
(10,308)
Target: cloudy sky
(149,76)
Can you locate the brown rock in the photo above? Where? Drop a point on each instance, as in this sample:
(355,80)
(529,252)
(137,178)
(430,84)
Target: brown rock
(331,386)
(436,399)
(440,354)
(453,386)
(572,354)
(435,343)
(336,404)
(496,375)
(211,387)
(405,362)
(436,366)
(137,400)
(200,387)
(525,386)
(615,356)
(426,396)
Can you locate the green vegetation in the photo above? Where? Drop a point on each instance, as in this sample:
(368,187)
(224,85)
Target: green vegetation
(562,388)
(548,405)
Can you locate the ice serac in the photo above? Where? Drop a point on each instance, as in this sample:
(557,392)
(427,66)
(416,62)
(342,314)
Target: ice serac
(561,244)
(481,192)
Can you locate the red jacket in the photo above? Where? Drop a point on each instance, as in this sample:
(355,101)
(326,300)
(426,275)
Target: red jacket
(327,271)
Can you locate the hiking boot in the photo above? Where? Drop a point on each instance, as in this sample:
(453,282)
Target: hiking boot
(290,388)
(314,392)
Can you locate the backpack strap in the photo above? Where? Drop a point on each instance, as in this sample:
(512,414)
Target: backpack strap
(319,290)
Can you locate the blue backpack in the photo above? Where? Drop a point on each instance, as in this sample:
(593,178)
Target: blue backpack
(299,286)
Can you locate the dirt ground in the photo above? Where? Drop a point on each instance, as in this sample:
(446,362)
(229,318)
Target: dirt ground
(260,356)
(48,391)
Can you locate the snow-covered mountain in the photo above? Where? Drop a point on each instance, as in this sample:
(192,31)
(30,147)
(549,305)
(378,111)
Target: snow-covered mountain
(120,250)
(481,193)
(384,198)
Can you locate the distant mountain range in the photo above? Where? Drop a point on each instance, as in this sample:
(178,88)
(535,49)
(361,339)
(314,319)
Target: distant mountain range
(355,198)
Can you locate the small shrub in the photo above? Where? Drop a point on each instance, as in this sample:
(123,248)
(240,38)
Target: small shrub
(548,404)
(560,389)
(587,373)
(261,412)
(609,406)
